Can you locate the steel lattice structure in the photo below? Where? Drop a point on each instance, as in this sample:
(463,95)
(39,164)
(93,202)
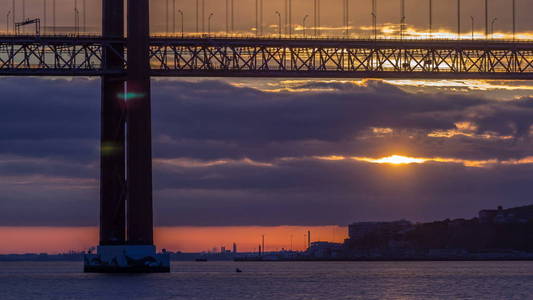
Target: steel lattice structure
(342,58)
(220,57)
(55,56)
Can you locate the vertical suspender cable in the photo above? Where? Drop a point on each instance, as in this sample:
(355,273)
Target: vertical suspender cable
(14,11)
(319,17)
(84,4)
(44,17)
(227,17)
(458,19)
(289,15)
(54,15)
(315,17)
(375,18)
(514,20)
(430,19)
(286,11)
(232,15)
(173,16)
(402,18)
(486,18)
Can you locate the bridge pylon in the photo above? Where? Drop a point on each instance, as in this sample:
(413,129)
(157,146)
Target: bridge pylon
(126,214)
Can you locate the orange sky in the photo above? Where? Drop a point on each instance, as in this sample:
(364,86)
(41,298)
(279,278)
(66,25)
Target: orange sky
(186,239)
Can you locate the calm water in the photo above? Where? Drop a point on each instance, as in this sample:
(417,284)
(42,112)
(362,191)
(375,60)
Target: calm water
(218,280)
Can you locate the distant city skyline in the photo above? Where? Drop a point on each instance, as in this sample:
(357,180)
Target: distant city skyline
(53,240)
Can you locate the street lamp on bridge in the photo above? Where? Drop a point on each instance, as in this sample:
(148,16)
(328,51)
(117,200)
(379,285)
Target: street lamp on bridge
(305,19)
(472,19)
(209,23)
(173,16)
(182,22)
(279,23)
(7,21)
(492,27)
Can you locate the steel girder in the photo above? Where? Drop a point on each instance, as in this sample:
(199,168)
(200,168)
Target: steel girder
(54,56)
(210,57)
(342,59)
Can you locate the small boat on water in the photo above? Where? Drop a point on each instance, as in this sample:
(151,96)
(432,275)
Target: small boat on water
(201,259)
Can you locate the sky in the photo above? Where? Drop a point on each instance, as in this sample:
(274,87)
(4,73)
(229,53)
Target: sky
(388,16)
(244,154)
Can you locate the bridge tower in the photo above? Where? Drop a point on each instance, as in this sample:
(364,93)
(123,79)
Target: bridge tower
(126,216)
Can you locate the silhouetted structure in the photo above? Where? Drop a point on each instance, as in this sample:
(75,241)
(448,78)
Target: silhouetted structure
(496,234)
(126,157)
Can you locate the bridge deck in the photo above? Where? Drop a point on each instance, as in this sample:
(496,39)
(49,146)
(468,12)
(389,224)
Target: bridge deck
(275,57)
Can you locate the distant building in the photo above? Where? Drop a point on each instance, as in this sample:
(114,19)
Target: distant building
(324,250)
(234,248)
(522,214)
(487,216)
(360,230)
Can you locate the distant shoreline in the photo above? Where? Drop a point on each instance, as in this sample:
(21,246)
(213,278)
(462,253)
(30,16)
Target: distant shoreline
(387,260)
(307,260)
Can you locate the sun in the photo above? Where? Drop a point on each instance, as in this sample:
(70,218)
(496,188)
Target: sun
(395,160)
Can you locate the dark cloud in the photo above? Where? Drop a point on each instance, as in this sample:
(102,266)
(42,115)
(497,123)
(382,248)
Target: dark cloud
(320,192)
(237,114)
(213,143)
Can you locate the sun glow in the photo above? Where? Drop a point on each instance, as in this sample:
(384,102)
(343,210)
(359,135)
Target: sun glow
(393,159)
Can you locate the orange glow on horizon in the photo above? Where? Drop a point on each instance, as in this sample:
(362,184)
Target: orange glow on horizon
(19,240)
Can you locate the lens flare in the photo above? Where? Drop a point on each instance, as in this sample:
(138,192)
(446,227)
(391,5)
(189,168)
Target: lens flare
(130,96)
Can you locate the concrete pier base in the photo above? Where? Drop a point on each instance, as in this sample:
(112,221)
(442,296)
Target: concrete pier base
(127,259)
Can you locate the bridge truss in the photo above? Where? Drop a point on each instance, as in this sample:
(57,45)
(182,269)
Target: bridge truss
(219,57)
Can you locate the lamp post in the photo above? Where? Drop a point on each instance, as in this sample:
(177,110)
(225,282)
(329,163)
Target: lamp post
(197,16)
(374,17)
(472,19)
(173,16)
(167,18)
(305,19)
(181,15)
(7,21)
(209,23)
(492,27)
(279,24)
(77,21)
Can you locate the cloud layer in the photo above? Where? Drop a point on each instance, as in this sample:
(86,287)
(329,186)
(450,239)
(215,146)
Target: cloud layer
(237,155)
